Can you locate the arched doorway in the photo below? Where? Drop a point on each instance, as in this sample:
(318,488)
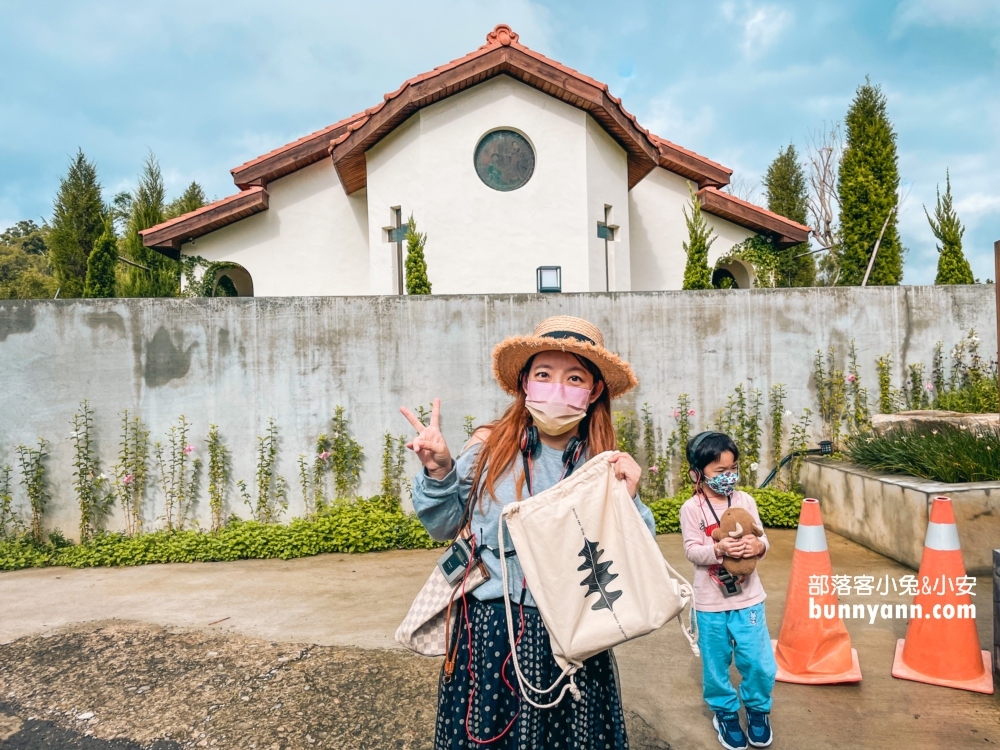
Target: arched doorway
(733,273)
(232,281)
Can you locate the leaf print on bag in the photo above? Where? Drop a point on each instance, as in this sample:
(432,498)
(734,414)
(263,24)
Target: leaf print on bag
(599,577)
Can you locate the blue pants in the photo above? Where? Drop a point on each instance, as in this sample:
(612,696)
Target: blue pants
(743,632)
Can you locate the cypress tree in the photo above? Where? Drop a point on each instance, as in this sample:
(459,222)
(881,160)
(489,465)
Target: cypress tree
(953,267)
(697,274)
(786,196)
(192,199)
(867,186)
(77,222)
(416,265)
(146,210)
(102,265)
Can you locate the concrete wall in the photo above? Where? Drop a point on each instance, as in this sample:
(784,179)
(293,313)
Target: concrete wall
(236,362)
(889,513)
(657,228)
(313,238)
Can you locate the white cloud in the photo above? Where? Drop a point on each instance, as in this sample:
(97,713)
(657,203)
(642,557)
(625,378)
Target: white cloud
(946,13)
(978,204)
(762,25)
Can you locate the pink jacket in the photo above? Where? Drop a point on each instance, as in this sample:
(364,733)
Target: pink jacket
(698,547)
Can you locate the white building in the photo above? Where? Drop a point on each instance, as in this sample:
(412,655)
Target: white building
(509,161)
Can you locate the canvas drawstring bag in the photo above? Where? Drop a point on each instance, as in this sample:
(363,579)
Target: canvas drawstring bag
(596,574)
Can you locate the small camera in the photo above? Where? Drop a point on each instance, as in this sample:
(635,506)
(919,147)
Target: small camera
(728,584)
(455,560)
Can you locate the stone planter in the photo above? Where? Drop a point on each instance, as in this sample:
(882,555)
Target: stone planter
(888,512)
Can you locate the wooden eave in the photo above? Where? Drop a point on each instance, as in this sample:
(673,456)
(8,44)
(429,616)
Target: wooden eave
(704,172)
(348,151)
(784,232)
(291,157)
(168,237)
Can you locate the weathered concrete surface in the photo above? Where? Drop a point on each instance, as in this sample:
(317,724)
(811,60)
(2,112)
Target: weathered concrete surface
(888,513)
(347,599)
(934,418)
(237,362)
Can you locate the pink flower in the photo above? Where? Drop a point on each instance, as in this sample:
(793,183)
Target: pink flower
(929,386)
(851,377)
(676,413)
(128,479)
(653,469)
(188,448)
(690,412)
(324,455)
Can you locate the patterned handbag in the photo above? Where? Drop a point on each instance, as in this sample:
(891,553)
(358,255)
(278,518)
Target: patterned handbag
(425,628)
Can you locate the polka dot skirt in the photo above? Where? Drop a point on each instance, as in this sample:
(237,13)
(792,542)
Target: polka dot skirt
(595,722)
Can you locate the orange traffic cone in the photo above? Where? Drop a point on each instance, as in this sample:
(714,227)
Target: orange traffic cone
(813,647)
(942,645)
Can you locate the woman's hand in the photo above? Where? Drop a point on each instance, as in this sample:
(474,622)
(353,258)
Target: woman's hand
(730,547)
(626,468)
(754,547)
(429,444)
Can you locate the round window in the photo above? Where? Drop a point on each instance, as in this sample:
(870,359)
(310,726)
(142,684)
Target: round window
(504,160)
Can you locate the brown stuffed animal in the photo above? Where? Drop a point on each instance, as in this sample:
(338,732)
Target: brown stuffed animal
(736,523)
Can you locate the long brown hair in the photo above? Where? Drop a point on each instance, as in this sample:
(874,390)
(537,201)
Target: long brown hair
(503,444)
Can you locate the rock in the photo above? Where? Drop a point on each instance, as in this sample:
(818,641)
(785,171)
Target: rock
(931,418)
(85,715)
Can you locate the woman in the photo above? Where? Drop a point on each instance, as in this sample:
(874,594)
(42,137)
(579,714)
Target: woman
(562,379)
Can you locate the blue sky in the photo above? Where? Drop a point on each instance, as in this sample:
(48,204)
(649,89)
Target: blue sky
(208,85)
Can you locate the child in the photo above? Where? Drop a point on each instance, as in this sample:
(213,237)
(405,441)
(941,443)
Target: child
(730,612)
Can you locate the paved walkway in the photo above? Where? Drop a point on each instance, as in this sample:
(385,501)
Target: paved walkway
(360,599)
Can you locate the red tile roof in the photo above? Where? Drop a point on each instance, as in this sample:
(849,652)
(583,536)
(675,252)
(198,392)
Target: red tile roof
(170,235)
(503,54)
(784,231)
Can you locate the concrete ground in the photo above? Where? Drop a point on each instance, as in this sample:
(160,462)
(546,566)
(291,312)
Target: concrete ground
(358,600)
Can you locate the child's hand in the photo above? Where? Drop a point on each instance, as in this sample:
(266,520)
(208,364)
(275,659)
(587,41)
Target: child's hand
(626,468)
(754,546)
(735,548)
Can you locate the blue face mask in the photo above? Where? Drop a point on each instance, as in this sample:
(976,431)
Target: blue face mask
(724,484)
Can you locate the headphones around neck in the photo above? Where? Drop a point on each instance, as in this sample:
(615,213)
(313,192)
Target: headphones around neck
(531,443)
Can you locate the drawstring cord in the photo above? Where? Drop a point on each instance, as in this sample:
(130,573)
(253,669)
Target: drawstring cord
(521,679)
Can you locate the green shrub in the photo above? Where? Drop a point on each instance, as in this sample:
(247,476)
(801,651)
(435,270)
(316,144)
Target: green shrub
(777,508)
(942,453)
(360,526)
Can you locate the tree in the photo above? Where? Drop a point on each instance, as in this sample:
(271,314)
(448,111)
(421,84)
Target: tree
(160,276)
(696,272)
(77,222)
(868,186)
(28,236)
(102,265)
(192,199)
(786,196)
(953,267)
(416,265)
(824,152)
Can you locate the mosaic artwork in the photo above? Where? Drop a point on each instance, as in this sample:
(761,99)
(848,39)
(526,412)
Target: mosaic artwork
(504,160)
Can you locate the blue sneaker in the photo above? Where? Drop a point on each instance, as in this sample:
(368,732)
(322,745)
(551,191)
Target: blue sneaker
(759,728)
(731,734)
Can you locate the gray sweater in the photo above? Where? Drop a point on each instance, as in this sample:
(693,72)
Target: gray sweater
(439,504)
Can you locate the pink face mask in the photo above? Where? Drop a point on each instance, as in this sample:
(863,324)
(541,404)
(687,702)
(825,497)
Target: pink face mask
(556,408)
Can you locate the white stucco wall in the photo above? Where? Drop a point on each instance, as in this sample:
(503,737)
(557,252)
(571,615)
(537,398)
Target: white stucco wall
(312,239)
(658,231)
(482,240)
(607,185)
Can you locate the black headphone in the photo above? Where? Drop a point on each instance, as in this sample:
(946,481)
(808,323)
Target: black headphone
(693,446)
(530,443)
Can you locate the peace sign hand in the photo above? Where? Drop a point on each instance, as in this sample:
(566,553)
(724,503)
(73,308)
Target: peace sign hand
(429,444)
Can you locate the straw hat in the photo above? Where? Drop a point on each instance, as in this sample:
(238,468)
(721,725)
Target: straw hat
(567,334)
